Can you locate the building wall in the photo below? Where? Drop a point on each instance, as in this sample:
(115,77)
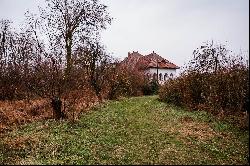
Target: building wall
(153,71)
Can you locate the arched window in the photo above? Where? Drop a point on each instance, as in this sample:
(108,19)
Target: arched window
(160,77)
(165,76)
(155,76)
(171,75)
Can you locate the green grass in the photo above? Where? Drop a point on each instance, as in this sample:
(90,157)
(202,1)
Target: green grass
(139,130)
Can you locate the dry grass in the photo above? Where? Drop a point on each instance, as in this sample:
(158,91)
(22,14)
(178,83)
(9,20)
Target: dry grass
(16,113)
(197,130)
(22,142)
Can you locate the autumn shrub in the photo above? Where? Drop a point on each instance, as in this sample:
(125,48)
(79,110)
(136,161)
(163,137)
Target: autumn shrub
(229,90)
(124,82)
(212,82)
(221,91)
(150,87)
(170,92)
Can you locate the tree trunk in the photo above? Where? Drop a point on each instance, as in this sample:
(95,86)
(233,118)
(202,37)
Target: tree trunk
(68,41)
(57,108)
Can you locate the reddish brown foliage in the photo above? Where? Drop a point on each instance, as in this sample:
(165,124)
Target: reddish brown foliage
(221,88)
(125,82)
(15,113)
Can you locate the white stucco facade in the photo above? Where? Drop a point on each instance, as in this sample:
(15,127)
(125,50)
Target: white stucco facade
(163,74)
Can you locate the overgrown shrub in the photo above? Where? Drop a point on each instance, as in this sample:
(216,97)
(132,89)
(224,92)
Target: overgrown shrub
(150,87)
(215,83)
(170,92)
(125,82)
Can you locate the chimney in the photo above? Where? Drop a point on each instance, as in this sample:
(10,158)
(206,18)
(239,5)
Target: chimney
(129,54)
(153,52)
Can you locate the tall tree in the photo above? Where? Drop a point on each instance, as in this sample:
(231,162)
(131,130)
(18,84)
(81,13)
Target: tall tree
(68,25)
(69,22)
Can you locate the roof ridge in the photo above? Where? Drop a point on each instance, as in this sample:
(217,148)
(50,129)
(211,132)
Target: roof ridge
(137,60)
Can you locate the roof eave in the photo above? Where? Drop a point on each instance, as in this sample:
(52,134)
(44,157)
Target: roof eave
(165,67)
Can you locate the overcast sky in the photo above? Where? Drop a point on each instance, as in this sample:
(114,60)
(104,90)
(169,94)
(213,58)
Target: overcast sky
(171,28)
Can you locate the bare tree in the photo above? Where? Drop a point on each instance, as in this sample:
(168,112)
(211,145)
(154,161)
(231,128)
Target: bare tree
(209,57)
(68,22)
(18,55)
(67,25)
(97,63)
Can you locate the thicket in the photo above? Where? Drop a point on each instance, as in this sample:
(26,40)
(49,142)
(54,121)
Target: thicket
(150,87)
(57,56)
(214,81)
(127,82)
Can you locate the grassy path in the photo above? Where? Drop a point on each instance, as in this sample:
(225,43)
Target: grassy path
(138,130)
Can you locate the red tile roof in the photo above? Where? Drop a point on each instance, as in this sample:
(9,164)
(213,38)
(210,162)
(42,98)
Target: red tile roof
(136,60)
